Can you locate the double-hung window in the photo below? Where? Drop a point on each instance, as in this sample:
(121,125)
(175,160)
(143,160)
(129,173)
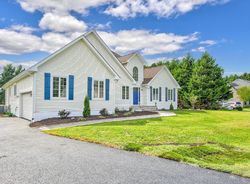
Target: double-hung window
(125,92)
(170,94)
(15,90)
(155,94)
(98,89)
(59,87)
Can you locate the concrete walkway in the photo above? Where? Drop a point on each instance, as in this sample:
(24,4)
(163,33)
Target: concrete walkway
(160,114)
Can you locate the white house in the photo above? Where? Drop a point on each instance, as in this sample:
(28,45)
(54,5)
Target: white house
(87,67)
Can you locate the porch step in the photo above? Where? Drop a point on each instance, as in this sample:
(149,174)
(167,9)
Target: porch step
(145,108)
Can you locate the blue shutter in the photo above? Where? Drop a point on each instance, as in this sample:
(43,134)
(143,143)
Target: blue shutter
(174,94)
(160,94)
(71,87)
(90,88)
(107,89)
(151,94)
(166,94)
(46,86)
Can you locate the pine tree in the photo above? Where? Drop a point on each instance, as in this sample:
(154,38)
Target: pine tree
(207,82)
(9,71)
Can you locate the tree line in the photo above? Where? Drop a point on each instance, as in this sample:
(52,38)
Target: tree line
(202,81)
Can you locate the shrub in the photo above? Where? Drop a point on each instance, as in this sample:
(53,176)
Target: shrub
(133,147)
(239,108)
(117,110)
(104,112)
(131,109)
(9,114)
(63,114)
(86,108)
(171,107)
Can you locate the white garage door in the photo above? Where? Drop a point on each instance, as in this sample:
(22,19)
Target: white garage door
(27,106)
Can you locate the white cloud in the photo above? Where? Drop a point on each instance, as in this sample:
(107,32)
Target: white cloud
(158,59)
(22,28)
(161,8)
(61,23)
(199,49)
(149,43)
(119,8)
(64,6)
(13,42)
(102,26)
(208,42)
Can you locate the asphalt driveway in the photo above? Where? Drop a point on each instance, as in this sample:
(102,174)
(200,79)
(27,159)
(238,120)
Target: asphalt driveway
(28,156)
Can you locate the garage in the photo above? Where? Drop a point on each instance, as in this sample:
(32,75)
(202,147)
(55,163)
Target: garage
(26,106)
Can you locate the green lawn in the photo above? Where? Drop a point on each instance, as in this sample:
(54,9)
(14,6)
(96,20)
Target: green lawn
(213,139)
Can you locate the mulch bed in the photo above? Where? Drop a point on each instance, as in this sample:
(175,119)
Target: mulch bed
(55,121)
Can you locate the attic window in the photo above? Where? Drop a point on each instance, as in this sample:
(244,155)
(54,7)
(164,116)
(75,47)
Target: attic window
(135,73)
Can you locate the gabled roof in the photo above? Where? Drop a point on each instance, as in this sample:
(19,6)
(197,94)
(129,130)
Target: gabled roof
(111,53)
(151,73)
(238,83)
(123,59)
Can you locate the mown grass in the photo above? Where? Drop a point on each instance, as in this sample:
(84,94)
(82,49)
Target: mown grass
(217,140)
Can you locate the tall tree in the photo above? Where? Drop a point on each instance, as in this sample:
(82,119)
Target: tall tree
(207,82)
(183,75)
(9,71)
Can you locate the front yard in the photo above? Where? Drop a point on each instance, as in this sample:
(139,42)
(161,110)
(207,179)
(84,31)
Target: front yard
(218,140)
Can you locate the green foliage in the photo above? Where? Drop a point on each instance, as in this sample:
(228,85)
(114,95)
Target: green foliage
(133,147)
(244,76)
(63,114)
(9,72)
(193,100)
(207,82)
(117,110)
(202,78)
(171,107)
(239,108)
(244,93)
(9,114)
(86,108)
(104,112)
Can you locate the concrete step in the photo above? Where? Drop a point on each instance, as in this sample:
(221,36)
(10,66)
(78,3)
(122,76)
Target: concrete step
(145,108)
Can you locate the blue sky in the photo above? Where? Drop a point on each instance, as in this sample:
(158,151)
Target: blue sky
(31,30)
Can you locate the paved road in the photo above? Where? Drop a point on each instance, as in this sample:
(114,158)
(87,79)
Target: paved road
(28,156)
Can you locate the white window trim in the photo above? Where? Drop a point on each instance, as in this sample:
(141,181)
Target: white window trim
(126,93)
(155,97)
(93,89)
(170,94)
(14,90)
(52,86)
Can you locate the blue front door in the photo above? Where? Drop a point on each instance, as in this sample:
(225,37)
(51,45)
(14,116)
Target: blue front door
(136,96)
